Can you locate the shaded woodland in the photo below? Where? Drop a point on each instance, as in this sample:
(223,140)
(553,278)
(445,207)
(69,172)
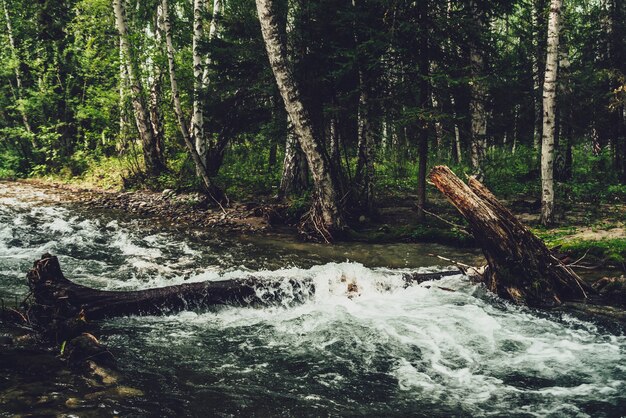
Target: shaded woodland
(334,104)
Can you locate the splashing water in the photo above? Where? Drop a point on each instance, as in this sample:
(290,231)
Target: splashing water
(380,348)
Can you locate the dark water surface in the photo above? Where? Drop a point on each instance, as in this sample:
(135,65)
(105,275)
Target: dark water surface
(390,351)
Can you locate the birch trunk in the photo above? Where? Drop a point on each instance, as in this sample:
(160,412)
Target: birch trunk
(326,213)
(213,33)
(122,104)
(364,176)
(294,177)
(155,93)
(197,120)
(18,73)
(295,173)
(538,70)
(153,162)
(549,108)
(424,103)
(166,27)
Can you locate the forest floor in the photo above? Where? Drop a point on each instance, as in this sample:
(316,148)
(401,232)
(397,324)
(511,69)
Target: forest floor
(591,230)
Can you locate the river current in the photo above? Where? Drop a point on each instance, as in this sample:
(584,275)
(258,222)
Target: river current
(436,349)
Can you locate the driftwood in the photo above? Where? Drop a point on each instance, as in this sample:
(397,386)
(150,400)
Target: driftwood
(63,306)
(520,267)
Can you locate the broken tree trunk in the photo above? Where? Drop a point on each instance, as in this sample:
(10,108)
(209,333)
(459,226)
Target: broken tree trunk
(520,266)
(61,305)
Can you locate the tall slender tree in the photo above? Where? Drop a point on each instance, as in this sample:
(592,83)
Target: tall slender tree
(153,161)
(478,89)
(549,110)
(326,215)
(166,27)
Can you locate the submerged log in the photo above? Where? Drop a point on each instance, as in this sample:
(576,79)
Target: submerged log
(520,266)
(63,307)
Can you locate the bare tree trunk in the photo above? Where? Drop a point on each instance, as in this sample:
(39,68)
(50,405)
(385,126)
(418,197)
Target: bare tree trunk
(155,94)
(197,120)
(538,68)
(424,103)
(213,33)
(154,164)
(328,216)
(18,74)
(364,177)
(122,104)
(478,112)
(201,169)
(295,170)
(457,132)
(549,107)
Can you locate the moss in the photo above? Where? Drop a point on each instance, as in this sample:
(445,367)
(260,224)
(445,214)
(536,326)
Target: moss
(611,250)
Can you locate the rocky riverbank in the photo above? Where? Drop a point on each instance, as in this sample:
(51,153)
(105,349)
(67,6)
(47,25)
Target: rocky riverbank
(170,208)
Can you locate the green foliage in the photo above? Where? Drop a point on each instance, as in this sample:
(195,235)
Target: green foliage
(247,172)
(9,165)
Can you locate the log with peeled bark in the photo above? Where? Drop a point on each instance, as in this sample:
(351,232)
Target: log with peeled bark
(520,266)
(62,305)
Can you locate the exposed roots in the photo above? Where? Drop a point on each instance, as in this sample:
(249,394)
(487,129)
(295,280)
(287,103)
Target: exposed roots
(312,226)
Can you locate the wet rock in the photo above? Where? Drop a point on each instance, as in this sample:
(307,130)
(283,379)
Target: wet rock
(115,392)
(73,403)
(87,347)
(105,376)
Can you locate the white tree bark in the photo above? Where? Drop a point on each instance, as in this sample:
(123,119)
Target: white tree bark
(152,160)
(213,33)
(122,92)
(166,27)
(18,74)
(537,10)
(295,171)
(197,120)
(325,187)
(549,108)
(155,91)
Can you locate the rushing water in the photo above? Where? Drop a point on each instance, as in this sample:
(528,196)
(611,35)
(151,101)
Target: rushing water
(388,350)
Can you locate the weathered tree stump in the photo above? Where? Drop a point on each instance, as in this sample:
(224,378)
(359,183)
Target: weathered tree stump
(520,267)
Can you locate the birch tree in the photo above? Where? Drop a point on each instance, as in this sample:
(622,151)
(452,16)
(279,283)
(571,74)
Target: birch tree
(549,108)
(424,103)
(294,177)
(364,176)
(325,215)
(153,161)
(538,6)
(197,121)
(166,28)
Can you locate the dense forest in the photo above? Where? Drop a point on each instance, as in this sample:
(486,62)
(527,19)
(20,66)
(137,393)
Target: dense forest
(333,103)
(172,172)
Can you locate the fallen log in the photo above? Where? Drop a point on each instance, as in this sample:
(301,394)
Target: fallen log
(520,267)
(63,306)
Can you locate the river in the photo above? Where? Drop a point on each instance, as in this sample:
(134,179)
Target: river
(388,351)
